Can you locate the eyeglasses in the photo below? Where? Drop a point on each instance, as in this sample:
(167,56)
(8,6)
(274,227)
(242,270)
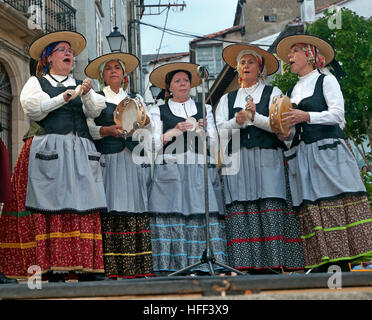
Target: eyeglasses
(63,50)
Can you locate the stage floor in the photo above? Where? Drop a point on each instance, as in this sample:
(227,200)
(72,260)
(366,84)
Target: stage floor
(347,285)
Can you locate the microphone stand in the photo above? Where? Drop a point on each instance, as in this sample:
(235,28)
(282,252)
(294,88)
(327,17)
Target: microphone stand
(208,255)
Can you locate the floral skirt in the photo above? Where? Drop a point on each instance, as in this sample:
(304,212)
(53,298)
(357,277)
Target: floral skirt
(127,245)
(61,242)
(263,234)
(335,230)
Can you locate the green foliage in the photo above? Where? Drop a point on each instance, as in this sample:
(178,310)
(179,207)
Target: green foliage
(286,81)
(352,43)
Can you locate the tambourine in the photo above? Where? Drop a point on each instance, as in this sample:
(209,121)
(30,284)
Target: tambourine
(279,105)
(131,115)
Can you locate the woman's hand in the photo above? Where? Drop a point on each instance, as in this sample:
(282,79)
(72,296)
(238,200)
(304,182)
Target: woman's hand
(113,131)
(67,95)
(241,117)
(86,86)
(184,126)
(178,130)
(251,106)
(200,123)
(283,137)
(294,116)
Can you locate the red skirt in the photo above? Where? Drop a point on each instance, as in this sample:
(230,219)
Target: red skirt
(64,242)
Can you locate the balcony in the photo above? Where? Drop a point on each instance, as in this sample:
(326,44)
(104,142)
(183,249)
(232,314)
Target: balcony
(48,15)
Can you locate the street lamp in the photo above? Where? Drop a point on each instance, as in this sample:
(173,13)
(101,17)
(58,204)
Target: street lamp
(115,40)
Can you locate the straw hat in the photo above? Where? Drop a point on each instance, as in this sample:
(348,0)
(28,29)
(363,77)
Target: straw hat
(230,54)
(157,76)
(130,61)
(284,46)
(76,40)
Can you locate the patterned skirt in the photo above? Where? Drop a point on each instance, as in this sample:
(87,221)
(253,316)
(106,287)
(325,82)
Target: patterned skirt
(127,245)
(331,201)
(263,234)
(64,242)
(179,241)
(336,230)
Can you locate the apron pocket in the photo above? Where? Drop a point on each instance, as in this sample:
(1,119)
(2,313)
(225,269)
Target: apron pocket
(45,165)
(95,165)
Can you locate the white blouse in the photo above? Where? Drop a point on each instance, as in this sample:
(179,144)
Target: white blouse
(332,93)
(183,110)
(260,121)
(37,104)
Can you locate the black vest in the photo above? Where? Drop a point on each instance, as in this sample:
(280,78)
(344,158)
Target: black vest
(190,139)
(69,118)
(310,133)
(111,144)
(253,136)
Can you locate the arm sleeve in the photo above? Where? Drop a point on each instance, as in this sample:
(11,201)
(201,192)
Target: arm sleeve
(154,144)
(94,129)
(93,104)
(36,103)
(211,127)
(222,116)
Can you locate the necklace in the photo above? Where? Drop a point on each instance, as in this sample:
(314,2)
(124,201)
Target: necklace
(249,91)
(59,83)
(184,108)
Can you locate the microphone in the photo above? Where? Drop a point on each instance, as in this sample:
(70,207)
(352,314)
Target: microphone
(203,73)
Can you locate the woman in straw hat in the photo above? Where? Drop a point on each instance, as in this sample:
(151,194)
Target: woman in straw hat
(177,198)
(262,233)
(64,183)
(326,187)
(125,226)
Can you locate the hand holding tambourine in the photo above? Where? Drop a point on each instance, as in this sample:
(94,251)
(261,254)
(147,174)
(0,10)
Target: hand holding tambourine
(278,108)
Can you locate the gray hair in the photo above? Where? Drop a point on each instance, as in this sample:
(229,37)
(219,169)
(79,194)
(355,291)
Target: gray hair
(262,75)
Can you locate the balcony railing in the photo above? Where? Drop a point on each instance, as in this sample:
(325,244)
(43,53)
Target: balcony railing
(49,15)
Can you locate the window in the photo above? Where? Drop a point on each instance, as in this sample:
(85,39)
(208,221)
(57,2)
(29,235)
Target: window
(211,58)
(5,107)
(270,18)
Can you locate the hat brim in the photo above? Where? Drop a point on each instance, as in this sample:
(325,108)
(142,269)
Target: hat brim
(76,40)
(130,61)
(230,54)
(284,46)
(157,76)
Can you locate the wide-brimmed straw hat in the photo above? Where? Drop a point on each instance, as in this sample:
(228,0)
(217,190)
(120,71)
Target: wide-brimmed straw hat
(230,55)
(76,40)
(157,76)
(284,46)
(130,61)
